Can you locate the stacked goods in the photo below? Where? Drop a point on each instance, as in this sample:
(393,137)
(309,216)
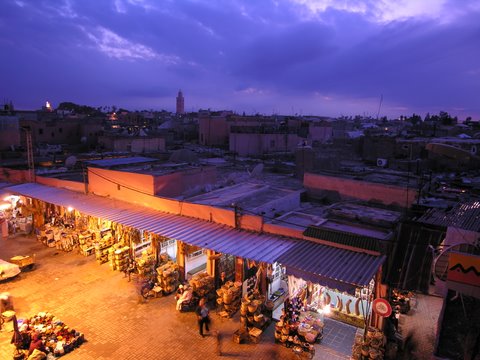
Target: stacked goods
(229,296)
(146,263)
(105,241)
(167,276)
(203,285)
(251,312)
(101,255)
(372,346)
(58,338)
(102,246)
(118,257)
(84,238)
(291,335)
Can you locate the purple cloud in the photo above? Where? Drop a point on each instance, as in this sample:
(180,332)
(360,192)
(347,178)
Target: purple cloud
(288,56)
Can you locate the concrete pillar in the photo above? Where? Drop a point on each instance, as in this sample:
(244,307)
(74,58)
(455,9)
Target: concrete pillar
(212,258)
(239,269)
(210,263)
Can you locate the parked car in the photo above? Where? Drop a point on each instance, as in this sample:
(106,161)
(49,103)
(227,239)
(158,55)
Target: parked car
(8,270)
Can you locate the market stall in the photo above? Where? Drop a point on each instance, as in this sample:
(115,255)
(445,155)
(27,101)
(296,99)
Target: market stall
(16,215)
(228,298)
(254,317)
(300,326)
(56,337)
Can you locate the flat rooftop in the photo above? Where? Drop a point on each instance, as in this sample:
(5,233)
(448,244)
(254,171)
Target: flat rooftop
(297,220)
(376,175)
(356,229)
(120,161)
(245,195)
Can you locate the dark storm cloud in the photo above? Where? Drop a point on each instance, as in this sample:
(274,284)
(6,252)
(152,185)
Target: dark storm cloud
(230,54)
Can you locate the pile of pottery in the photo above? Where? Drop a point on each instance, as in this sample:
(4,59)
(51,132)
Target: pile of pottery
(203,285)
(229,295)
(251,311)
(167,276)
(118,257)
(372,346)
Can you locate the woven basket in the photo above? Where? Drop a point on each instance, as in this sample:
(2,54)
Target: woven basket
(227,297)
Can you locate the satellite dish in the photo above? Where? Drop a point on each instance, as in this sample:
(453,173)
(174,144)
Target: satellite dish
(440,264)
(257,170)
(70,161)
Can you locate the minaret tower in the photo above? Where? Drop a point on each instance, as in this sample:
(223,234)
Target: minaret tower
(180,103)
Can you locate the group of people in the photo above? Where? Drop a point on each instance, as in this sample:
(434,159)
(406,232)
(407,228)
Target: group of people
(185,294)
(35,345)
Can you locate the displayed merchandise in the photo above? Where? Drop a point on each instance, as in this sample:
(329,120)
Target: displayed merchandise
(371,346)
(146,264)
(228,298)
(118,256)
(203,285)
(298,329)
(59,237)
(168,276)
(401,300)
(57,338)
(253,319)
(102,245)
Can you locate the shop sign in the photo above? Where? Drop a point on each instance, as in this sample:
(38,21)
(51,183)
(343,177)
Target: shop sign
(464,268)
(382,307)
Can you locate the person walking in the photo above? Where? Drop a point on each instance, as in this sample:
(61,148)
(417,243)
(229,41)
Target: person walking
(203,316)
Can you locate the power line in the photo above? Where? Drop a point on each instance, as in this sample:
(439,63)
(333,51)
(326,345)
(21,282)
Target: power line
(119,184)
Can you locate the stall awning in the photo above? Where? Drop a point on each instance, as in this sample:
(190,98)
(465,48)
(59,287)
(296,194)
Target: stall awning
(333,267)
(192,231)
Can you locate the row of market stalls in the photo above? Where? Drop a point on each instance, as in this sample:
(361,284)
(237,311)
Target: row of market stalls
(320,280)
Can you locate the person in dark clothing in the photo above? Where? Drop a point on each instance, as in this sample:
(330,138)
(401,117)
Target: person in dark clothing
(202,316)
(222,279)
(129,269)
(37,343)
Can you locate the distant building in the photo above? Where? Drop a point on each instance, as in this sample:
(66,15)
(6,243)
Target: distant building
(9,132)
(134,143)
(180,103)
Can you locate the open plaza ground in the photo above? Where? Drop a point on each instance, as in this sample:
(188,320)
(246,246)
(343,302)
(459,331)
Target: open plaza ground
(102,304)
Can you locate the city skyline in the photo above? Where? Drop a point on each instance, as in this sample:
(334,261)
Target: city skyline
(317,57)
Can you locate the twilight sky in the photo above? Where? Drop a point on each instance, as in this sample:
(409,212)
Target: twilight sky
(309,57)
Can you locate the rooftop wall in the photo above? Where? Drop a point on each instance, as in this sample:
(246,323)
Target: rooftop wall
(60,183)
(175,184)
(119,184)
(13,176)
(316,184)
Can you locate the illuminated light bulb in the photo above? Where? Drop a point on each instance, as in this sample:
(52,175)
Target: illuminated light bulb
(4,206)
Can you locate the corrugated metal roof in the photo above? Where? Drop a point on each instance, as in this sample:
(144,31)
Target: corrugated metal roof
(343,238)
(335,267)
(120,161)
(464,216)
(196,232)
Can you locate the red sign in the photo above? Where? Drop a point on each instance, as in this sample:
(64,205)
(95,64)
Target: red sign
(382,307)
